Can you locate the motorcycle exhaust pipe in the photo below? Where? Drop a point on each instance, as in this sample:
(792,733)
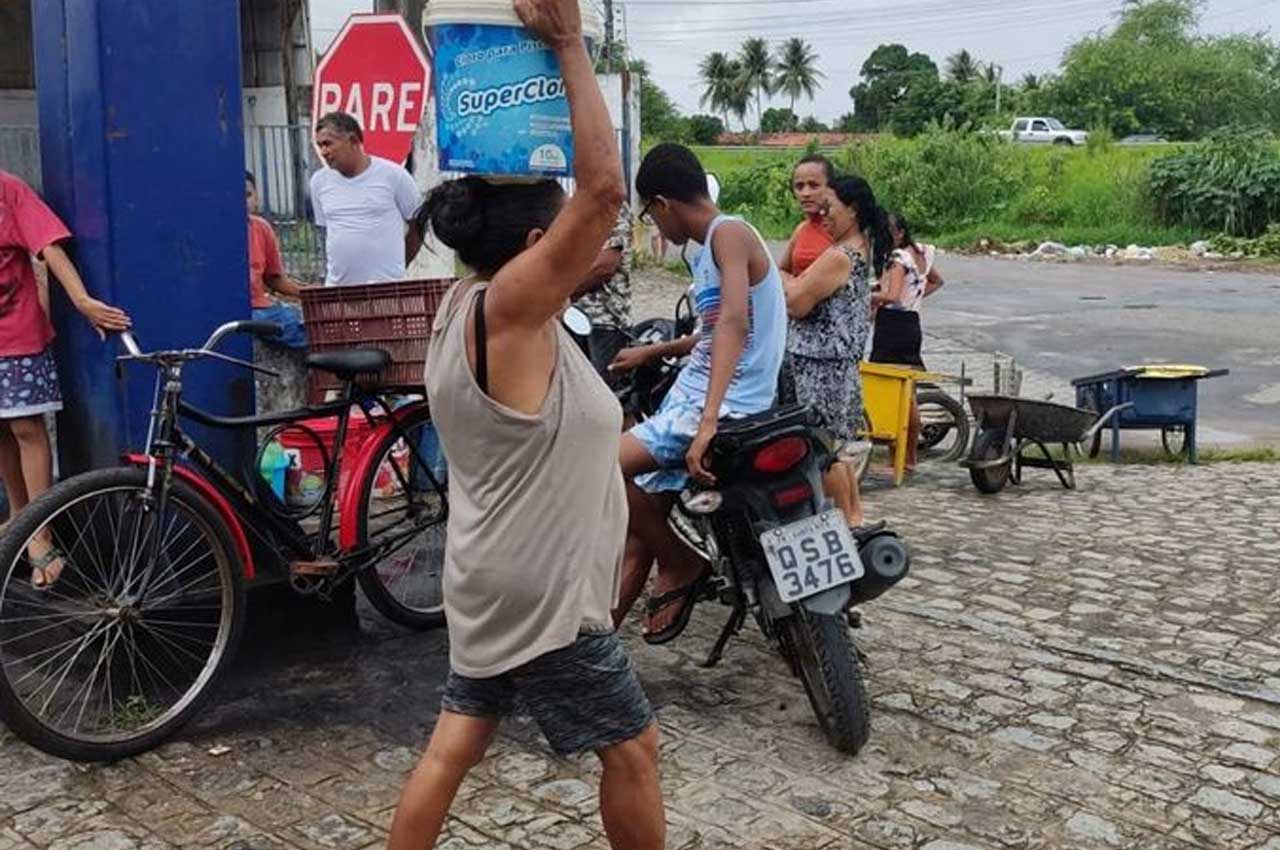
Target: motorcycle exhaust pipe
(887,560)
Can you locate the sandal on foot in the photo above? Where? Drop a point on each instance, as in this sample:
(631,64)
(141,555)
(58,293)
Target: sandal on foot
(687,596)
(40,569)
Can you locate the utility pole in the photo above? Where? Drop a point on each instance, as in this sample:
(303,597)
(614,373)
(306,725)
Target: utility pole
(999,81)
(608,35)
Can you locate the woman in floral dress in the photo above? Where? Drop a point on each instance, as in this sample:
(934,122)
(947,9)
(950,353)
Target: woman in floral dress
(830,312)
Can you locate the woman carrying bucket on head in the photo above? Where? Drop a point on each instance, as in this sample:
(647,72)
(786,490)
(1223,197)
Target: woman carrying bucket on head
(538,509)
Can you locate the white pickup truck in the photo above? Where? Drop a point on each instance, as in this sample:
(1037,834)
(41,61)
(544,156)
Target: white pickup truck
(1043,131)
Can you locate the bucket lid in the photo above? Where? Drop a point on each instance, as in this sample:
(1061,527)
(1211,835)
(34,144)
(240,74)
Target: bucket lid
(1168,371)
(499,13)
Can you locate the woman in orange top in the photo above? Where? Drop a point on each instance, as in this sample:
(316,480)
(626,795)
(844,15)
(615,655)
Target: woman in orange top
(811,184)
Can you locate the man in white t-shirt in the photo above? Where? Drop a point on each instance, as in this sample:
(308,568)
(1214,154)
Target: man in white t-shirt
(363,202)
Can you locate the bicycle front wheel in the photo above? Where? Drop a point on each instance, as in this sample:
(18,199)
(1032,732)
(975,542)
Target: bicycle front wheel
(401,524)
(117,615)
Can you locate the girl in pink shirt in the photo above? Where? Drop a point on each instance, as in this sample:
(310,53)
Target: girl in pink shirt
(28,376)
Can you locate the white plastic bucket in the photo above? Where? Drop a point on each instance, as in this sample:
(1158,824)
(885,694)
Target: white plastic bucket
(500,104)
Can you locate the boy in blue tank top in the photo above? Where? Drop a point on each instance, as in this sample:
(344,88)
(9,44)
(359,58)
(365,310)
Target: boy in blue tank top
(732,371)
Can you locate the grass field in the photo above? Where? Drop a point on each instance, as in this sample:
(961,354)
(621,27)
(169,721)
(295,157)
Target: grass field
(958,192)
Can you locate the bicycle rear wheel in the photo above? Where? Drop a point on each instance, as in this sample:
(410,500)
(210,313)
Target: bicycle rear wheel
(401,521)
(125,644)
(944,426)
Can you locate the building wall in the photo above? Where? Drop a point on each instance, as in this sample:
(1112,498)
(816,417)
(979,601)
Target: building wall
(17,65)
(17,107)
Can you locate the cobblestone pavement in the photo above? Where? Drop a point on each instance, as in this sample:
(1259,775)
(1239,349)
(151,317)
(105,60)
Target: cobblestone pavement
(1094,669)
(1098,669)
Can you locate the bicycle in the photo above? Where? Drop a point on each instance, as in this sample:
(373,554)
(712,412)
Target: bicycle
(128,641)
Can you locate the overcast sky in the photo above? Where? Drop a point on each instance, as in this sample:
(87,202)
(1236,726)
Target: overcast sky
(1020,35)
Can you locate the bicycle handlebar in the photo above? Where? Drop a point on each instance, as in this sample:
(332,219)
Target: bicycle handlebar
(243,326)
(263,329)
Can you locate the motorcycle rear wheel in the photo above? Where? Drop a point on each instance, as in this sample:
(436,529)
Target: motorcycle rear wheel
(823,655)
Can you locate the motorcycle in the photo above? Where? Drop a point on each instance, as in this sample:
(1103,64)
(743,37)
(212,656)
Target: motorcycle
(776,548)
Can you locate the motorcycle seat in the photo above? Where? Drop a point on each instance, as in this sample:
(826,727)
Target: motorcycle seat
(737,435)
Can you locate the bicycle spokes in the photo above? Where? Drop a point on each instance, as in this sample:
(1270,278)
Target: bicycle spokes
(133,614)
(404,522)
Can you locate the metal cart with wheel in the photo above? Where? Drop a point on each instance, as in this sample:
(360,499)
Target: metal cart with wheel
(1158,396)
(1007,426)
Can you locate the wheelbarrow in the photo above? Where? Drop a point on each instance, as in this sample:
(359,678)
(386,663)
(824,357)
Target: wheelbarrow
(1007,426)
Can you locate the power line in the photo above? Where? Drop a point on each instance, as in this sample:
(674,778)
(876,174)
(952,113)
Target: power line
(974,12)
(846,11)
(829,34)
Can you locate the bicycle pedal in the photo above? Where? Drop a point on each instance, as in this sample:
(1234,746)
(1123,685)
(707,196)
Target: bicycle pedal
(313,568)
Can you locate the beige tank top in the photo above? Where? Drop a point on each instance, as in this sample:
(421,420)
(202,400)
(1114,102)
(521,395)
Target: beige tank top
(537,505)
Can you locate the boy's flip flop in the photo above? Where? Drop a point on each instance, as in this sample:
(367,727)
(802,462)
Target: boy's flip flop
(687,596)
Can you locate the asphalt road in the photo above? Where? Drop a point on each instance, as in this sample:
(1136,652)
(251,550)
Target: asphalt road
(1078,319)
(1075,319)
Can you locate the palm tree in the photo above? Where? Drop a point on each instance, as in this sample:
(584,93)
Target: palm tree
(962,67)
(991,73)
(719,76)
(738,93)
(757,69)
(797,70)
(1030,82)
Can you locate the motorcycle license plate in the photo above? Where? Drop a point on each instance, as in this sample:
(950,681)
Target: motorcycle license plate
(812,555)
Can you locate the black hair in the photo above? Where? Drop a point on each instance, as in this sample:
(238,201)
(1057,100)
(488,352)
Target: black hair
(248,178)
(899,222)
(818,159)
(341,122)
(488,224)
(674,172)
(856,193)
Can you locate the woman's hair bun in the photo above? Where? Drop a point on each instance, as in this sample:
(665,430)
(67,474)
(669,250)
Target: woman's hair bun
(455,211)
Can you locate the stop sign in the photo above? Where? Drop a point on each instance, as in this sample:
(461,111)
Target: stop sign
(376,72)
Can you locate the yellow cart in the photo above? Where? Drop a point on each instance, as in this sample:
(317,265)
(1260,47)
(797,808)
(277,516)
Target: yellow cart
(886,398)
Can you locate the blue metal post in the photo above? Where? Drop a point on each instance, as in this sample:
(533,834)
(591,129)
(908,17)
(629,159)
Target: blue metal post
(143,157)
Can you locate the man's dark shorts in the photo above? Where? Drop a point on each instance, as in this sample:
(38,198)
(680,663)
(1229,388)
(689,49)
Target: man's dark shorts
(584,697)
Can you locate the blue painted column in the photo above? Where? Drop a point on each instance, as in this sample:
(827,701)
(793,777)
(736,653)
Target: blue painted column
(143,157)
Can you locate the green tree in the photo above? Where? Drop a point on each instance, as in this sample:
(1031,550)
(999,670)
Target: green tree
(929,102)
(724,86)
(888,76)
(717,74)
(1156,73)
(813,125)
(778,120)
(962,68)
(797,72)
(739,95)
(847,123)
(659,117)
(756,64)
(704,129)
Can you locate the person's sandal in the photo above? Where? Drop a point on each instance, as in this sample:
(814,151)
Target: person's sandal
(687,597)
(40,569)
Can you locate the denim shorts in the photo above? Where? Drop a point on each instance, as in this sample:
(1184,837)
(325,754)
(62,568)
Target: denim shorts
(584,697)
(293,333)
(667,436)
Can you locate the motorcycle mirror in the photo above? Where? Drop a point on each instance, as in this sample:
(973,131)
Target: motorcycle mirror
(713,187)
(576,321)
